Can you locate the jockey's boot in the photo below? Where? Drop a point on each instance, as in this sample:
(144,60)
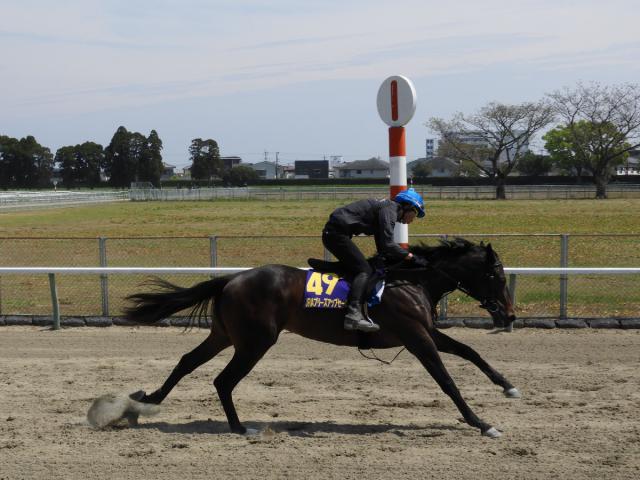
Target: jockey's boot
(354,319)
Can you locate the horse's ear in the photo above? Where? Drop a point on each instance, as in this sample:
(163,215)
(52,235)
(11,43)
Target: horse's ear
(491,256)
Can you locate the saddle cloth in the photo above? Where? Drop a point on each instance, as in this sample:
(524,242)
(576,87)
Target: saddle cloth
(328,290)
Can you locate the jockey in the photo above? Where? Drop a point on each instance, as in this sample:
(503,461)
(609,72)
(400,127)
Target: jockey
(369,217)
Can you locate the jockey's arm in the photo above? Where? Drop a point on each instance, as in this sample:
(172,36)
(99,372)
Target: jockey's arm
(385,243)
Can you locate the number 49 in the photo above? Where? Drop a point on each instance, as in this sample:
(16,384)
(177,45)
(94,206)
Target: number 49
(317,280)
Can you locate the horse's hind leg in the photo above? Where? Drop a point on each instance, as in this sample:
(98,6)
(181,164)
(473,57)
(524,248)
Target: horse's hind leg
(449,345)
(239,367)
(209,348)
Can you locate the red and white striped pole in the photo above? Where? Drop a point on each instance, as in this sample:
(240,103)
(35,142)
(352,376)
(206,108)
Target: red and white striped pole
(398,177)
(396,106)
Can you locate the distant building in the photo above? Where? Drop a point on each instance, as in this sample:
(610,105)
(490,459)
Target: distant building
(288,171)
(631,165)
(481,139)
(229,162)
(372,168)
(430,147)
(438,166)
(168,171)
(311,168)
(266,170)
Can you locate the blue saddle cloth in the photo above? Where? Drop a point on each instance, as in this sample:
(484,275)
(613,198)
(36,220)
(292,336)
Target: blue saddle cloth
(327,290)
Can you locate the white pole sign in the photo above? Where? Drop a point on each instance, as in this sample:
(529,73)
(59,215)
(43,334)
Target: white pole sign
(396,101)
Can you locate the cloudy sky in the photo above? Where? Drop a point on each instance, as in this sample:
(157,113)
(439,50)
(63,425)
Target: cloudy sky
(297,77)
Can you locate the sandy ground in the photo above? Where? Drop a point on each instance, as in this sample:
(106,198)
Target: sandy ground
(324,411)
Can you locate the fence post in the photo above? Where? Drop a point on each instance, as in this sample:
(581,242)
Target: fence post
(213,251)
(512,291)
(54,301)
(104,282)
(444,303)
(564,278)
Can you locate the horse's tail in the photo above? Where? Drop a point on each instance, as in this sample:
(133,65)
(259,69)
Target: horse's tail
(168,299)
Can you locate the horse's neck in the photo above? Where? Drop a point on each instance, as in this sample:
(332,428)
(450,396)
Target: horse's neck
(446,283)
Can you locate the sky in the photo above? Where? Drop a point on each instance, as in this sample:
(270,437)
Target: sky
(289,76)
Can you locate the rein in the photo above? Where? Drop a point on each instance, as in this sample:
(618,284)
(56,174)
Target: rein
(489,303)
(375,357)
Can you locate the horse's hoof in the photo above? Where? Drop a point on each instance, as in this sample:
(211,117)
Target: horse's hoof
(138,396)
(492,433)
(132,418)
(512,393)
(251,432)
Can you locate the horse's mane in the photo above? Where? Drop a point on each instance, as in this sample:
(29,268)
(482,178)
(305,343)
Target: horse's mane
(447,247)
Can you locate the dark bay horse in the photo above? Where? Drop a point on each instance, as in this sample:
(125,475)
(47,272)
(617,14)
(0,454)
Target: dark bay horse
(251,308)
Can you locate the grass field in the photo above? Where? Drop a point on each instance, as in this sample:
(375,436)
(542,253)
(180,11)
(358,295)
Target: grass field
(226,217)
(253,220)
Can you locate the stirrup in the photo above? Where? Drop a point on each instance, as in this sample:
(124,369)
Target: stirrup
(355,320)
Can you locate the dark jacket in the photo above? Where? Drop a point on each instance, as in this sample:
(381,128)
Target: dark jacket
(370,217)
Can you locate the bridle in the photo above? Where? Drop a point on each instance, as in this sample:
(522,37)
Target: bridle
(489,303)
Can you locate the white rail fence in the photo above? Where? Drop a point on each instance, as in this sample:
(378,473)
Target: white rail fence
(46,198)
(563,273)
(514,192)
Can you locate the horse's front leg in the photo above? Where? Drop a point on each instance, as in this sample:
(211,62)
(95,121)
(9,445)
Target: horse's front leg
(449,345)
(424,348)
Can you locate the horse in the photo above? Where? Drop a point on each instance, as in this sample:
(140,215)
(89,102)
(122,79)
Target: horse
(250,309)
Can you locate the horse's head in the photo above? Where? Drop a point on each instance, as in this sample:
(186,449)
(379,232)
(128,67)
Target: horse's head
(474,269)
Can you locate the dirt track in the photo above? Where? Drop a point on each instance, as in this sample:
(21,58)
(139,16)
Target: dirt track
(324,411)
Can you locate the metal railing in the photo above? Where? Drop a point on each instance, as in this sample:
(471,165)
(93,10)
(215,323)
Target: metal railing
(540,295)
(48,198)
(335,192)
(104,271)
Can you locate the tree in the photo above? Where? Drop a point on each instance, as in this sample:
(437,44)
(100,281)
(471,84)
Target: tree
(131,158)
(25,163)
(80,165)
(90,159)
(68,163)
(205,159)
(118,164)
(494,139)
(534,164)
(7,160)
(150,165)
(422,169)
(601,124)
(561,152)
(240,175)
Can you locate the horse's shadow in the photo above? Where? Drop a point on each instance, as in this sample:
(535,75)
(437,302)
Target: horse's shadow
(301,429)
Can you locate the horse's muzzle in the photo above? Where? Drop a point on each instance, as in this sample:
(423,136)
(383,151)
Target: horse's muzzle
(502,317)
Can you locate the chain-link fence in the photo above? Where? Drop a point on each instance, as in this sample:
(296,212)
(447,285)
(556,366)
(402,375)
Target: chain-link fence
(94,295)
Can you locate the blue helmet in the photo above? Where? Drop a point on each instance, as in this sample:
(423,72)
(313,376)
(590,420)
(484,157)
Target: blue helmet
(413,198)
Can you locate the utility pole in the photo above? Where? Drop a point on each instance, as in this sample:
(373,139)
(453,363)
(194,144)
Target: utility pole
(277,153)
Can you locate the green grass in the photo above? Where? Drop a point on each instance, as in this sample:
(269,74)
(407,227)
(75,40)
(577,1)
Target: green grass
(306,217)
(251,234)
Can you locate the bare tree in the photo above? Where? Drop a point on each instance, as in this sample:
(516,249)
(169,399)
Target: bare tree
(494,139)
(601,125)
